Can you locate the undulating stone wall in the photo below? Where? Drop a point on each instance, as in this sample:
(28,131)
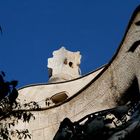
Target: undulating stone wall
(104,91)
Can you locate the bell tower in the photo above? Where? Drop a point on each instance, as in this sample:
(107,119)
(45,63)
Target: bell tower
(64,65)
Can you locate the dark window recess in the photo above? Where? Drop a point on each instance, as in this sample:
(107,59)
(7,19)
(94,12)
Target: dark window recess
(131,94)
(71,64)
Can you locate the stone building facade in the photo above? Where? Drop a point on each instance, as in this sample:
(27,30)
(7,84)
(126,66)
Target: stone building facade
(68,94)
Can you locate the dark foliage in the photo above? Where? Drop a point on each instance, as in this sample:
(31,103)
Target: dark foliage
(12,111)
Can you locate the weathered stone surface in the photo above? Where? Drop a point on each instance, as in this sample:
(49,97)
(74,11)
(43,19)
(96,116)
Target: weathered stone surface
(40,92)
(106,90)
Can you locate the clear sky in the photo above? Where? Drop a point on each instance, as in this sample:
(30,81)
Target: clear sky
(33,29)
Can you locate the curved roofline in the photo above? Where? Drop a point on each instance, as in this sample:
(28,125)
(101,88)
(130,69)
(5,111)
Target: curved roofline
(106,67)
(31,85)
(115,55)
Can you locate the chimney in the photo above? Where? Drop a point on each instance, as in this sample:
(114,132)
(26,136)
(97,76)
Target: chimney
(64,65)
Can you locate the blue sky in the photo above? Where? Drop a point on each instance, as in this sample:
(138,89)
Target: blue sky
(33,29)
